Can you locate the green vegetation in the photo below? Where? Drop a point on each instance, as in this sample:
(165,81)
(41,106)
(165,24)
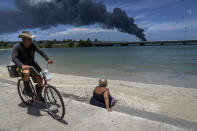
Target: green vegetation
(69,43)
(5,45)
(95,40)
(83,43)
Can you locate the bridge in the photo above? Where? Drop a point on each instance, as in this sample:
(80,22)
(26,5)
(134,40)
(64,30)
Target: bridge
(146,43)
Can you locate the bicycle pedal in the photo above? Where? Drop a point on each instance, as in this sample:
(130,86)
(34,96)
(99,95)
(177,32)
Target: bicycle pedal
(34,98)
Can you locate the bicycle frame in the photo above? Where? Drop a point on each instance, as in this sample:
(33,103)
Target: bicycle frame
(41,77)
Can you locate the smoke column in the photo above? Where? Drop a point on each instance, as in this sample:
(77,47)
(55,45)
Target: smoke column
(44,14)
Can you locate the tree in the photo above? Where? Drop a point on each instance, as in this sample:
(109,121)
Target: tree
(5,44)
(54,41)
(88,41)
(95,40)
(1,43)
(71,44)
(80,43)
(83,43)
(49,45)
(40,43)
(88,44)
(69,40)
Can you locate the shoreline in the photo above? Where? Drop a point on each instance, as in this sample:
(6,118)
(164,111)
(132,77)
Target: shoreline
(6,49)
(76,75)
(175,102)
(124,80)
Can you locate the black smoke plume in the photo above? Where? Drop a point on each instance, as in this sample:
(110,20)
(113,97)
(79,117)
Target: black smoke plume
(47,13)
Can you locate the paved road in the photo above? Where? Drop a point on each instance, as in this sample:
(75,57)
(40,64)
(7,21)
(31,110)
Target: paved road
(79,116)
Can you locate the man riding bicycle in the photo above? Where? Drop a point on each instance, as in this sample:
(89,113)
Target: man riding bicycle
(23,57)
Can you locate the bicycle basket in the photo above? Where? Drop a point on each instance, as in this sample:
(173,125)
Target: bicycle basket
(47,75)
(12,71)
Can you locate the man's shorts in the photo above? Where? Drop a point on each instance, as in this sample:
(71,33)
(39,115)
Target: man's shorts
(33,74)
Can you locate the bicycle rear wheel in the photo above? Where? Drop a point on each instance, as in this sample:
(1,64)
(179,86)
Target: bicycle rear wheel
(54,102)
(27,100)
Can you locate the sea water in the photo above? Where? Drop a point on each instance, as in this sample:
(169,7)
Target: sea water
(165,65)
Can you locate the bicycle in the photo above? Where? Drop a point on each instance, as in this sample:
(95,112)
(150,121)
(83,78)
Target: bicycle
(51,94)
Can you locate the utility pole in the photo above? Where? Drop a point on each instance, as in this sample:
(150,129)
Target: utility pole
(54,35)
(185,32)
(108,36)
(187,13)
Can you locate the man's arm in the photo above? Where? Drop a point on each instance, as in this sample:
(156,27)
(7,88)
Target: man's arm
(15,57)
(37,48)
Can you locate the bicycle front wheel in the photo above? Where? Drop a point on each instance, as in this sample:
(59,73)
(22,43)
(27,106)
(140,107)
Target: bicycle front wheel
(54,102)
(27,100)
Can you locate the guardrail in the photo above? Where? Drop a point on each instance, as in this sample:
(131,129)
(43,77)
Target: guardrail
(143,43)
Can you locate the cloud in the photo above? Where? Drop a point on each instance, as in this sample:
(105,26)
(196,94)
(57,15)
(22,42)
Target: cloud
(38,1)
(141,4)
(141,16)
(80,30)
(189,11)
(166,26)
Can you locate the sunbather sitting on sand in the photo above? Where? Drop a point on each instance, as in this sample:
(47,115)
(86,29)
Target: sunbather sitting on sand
(101,96)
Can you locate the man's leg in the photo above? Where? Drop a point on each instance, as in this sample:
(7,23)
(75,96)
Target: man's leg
(39,89)
(26,75)
(27,89)
(40,83)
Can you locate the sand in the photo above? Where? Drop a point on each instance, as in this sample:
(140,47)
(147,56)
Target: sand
(175,103)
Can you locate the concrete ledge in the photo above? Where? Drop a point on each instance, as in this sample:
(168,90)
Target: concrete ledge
(79,117)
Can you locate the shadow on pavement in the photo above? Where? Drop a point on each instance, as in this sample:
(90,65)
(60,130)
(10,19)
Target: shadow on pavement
(157,117)
(63,122)
(36,109)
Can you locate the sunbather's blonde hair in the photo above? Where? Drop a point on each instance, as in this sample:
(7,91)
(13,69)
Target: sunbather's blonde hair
(103,82)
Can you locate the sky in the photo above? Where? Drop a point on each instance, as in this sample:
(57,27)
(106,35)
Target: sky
(160,19)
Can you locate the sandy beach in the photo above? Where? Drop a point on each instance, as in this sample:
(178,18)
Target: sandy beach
(174,102)
(164,102)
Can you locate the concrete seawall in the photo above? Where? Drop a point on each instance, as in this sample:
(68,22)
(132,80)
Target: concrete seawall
(79,116)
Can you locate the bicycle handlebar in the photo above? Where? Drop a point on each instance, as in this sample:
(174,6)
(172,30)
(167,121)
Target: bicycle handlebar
(37,71)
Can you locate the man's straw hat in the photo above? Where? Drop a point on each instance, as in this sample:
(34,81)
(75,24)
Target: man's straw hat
(26,34)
